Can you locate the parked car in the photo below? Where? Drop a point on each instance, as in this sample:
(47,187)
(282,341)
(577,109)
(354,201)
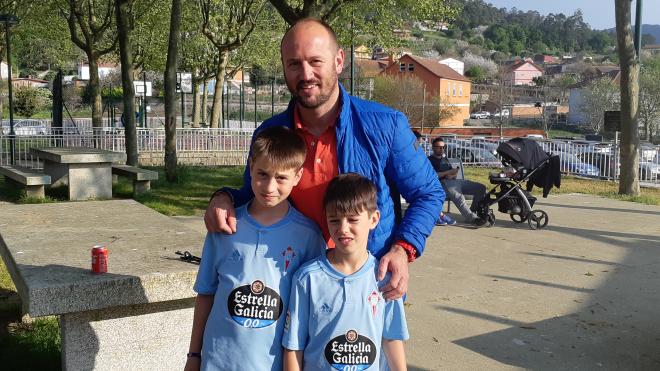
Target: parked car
(26,128)
(570,163)
(480,115)
(473,155)
(605,162)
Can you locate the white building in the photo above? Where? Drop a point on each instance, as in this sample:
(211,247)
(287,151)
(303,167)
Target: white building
(454,64)
(104,70)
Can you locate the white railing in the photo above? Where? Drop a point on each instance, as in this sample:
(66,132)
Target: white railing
(588,159)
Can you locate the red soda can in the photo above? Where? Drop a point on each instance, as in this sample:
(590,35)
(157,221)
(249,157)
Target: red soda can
(99,259)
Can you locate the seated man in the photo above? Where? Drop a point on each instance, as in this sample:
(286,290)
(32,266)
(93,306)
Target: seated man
(456,189)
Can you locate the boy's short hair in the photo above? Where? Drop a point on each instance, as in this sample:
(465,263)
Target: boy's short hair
(350,193)
(280,146)
(438,139)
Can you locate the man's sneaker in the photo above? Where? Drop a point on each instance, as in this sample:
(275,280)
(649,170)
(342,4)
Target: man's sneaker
(441,221)
(448,219)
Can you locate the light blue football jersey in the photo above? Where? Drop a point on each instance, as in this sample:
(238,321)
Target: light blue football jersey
(250,274)
(340,321)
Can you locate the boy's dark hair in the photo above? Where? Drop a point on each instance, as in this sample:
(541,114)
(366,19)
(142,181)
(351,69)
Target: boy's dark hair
(350,193)
(280,146)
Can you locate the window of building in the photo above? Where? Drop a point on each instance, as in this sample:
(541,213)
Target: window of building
(460,90)
(453,91)
(448,89)
(402,67)
(411,67)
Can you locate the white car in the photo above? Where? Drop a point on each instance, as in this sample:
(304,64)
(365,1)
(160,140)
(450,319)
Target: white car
(26,128)
(480,115)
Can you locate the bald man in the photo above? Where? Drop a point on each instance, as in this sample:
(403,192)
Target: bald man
(347,134)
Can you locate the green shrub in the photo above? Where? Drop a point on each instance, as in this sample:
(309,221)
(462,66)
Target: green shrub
(29,100)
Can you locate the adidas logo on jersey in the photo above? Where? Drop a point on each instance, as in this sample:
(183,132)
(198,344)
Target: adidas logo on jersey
(325,308)
(236,256)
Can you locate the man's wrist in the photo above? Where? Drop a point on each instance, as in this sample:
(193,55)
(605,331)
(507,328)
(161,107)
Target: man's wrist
(411,252)
(223,192)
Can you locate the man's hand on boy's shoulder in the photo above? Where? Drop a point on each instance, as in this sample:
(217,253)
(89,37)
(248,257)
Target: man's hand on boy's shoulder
(395,262)
(220,215)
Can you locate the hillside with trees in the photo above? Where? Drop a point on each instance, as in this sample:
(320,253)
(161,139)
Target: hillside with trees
(516,32)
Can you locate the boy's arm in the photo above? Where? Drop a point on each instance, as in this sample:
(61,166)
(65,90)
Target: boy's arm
(396,355)
(203,305)
(293,360)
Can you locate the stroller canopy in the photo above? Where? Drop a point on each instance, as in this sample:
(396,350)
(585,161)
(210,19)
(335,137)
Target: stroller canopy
(522,151)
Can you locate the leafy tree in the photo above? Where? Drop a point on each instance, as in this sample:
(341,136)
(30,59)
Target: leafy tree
(227,25)
(649,97)
(406,94)
(91,28)
(599,96)
(477,74)
(29,100)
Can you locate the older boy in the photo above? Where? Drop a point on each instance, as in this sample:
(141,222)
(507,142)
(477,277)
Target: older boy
(337,315)
(243,287)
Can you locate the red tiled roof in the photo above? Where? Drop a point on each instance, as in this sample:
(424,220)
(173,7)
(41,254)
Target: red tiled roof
(436,68)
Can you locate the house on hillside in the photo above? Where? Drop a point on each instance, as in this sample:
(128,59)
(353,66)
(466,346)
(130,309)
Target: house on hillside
(454,64)
(365,72)
(361,52)
(451,88)
(576,114)
(521,73)
(544,59)
(652,48)
(105,68)
(28,82)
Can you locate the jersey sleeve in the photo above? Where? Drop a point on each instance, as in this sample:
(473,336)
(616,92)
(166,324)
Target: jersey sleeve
(395,326)
(207,274)
(296,326)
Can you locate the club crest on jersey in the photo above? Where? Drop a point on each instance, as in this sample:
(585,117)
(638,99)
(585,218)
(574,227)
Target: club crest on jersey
(350,351)
(373,300)
(288,255)
(255,305)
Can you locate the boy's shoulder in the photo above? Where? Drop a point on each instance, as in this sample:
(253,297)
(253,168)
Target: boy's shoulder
(309,268)
(298,218)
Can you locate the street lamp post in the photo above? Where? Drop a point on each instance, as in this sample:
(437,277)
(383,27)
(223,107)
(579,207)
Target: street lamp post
(9,20)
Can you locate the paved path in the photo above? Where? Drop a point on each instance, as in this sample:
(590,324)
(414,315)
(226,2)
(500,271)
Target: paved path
(583,294)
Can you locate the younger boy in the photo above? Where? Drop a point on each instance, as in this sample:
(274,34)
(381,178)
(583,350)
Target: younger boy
(337,316)
(244,279)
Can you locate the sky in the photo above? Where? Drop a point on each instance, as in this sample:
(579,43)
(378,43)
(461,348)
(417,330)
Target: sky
(599,14)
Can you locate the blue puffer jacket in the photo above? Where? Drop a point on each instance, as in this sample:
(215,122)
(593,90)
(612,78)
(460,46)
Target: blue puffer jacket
(376,141)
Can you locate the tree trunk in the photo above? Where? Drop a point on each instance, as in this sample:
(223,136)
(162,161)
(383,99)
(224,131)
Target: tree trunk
(95,92)
(170,92)
(629,149)
(216,110)
(125,53)
(196,101)
(205,102)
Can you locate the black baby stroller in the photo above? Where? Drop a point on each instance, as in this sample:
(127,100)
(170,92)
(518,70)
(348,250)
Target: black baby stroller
(524,161)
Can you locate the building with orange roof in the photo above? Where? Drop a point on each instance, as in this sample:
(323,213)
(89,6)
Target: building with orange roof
(446,86)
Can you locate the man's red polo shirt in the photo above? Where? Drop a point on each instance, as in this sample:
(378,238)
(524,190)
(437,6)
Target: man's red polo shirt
(318,170)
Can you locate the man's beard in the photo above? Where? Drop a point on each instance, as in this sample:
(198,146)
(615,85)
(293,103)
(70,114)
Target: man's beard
(320,99)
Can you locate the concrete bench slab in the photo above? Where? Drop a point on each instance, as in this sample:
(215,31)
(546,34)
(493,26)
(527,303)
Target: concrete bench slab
(141,177)
(32,181)
(139,314)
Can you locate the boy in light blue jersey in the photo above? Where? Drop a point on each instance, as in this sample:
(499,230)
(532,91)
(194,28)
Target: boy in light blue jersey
(337,317)
(244,279)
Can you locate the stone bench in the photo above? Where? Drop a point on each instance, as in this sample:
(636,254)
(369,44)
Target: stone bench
(141,178)
(138,315)
(32,181)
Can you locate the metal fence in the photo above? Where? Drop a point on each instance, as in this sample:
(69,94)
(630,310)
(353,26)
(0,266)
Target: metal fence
(582,158)
(204,146)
